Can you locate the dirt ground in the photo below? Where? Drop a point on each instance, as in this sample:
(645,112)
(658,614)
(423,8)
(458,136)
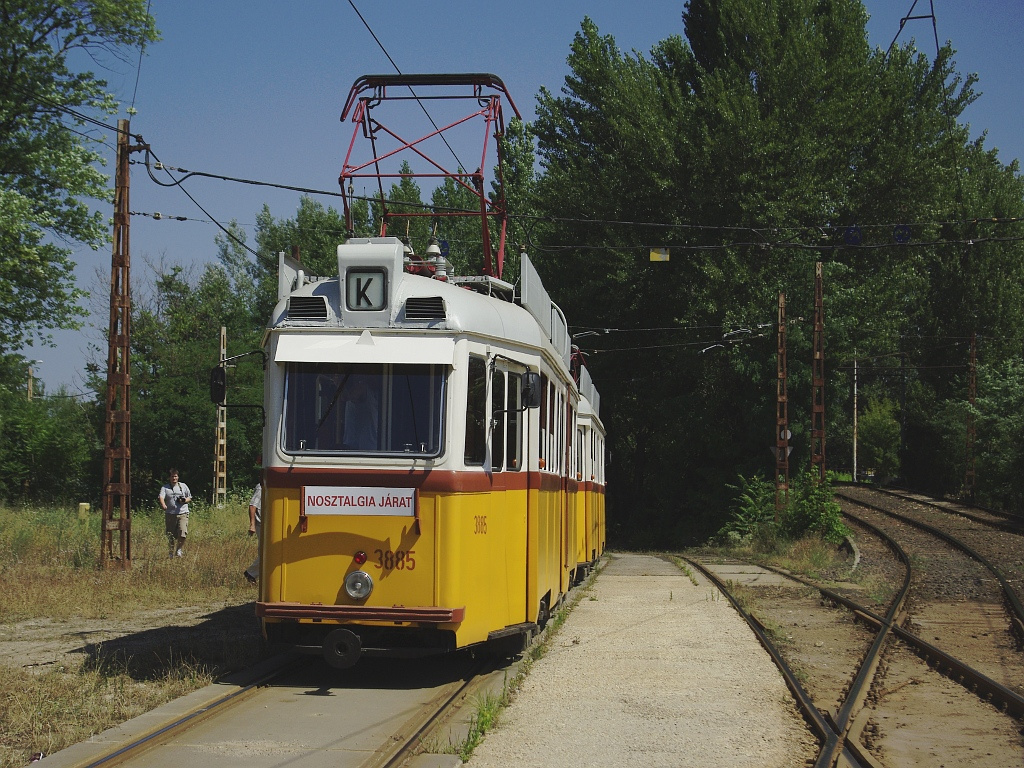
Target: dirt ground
(917,714)
(41,644)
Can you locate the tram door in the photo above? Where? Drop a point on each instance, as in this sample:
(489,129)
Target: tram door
(494,519)
(511,497)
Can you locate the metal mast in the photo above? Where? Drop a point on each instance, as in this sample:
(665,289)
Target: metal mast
(972,395)
(782,433)
(220,461)
(117,489)
(818,378)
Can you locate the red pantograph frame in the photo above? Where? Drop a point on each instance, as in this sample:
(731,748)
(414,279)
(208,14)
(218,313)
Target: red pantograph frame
(486,91)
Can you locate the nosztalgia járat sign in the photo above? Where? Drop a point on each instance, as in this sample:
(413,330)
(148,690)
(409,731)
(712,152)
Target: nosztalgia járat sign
(334,500)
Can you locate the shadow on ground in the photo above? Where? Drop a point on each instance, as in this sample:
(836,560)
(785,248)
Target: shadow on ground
(222,642)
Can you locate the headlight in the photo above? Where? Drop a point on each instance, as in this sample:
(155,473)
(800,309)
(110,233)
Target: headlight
(358,585)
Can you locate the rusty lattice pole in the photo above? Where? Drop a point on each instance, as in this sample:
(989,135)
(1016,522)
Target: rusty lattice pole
(972,396)
(782,432)
(818,379)
(117,490)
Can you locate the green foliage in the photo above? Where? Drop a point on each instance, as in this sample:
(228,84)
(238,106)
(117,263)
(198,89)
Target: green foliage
(484,718)
(315,230)
(879,437)
(519,178)
(999,445)
(739,151)
(753,510)
(45,443)
(407,216)
(48,164)
(462,233)
(999,421)
(175,342)
(812,508)
(48,537)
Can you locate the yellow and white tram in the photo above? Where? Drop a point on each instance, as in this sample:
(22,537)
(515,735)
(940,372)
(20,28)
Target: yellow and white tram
(433,474)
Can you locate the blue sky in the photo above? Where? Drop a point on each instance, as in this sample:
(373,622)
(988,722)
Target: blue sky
(254,89)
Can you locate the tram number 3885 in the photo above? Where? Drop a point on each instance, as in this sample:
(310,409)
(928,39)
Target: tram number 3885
(401,560)
(480,522)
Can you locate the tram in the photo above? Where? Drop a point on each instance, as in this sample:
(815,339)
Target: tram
(433,458)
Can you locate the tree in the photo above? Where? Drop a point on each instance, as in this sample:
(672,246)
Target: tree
(316,231)
(47,155)
(45,443)
(879,438)
(519,180)
(176,325)
(751,161)
(462,233)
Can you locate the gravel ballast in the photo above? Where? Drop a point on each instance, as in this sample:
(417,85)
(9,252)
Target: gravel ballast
(650,670)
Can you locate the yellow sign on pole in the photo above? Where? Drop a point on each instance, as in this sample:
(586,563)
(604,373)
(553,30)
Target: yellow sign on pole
(659,254)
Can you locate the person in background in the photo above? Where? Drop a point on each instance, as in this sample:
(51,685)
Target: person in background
(361,415)
(252,573)
(174,498)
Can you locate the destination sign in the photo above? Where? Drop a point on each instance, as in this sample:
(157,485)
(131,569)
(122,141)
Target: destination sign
(334,500)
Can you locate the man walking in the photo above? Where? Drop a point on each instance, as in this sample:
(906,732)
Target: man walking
(174,498)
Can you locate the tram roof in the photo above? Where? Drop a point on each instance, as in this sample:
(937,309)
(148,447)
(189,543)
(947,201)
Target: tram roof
(371,272)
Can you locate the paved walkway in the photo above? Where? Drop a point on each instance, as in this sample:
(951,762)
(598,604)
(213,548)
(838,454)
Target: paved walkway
(650,670)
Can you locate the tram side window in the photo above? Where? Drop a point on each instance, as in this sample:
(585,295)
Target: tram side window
(592,463)
(553,459)
(545,405)
(476,411)
(498,429)
(572,449)
(580,451)
(514,426)
(560,427)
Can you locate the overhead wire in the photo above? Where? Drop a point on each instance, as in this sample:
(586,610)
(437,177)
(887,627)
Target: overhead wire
(138,69)
(763,231)
(399,71)
(177,183)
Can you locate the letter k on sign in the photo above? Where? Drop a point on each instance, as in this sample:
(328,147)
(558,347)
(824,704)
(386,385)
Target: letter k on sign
(364,290)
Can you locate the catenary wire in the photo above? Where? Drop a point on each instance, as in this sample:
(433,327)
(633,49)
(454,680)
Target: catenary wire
(399,71)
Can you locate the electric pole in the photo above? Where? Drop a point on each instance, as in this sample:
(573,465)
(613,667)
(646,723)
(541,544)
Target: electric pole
(972,396)
(782,433)
(220,461)
(117,489)
(818,378)
(855,415)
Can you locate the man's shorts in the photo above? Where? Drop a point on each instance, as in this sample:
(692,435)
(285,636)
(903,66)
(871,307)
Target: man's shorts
(176,525)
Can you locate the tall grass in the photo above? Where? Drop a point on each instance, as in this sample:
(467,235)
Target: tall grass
(50,568)
(43,713)
(50,563)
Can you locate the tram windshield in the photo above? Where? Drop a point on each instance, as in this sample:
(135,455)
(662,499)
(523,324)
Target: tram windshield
(364,409)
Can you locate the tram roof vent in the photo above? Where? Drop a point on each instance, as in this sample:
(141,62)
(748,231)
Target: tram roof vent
(307,307)
(424,308)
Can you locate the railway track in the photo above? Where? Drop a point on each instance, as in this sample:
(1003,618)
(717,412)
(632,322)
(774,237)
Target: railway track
(994,539)
(373,716)
(918,657)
